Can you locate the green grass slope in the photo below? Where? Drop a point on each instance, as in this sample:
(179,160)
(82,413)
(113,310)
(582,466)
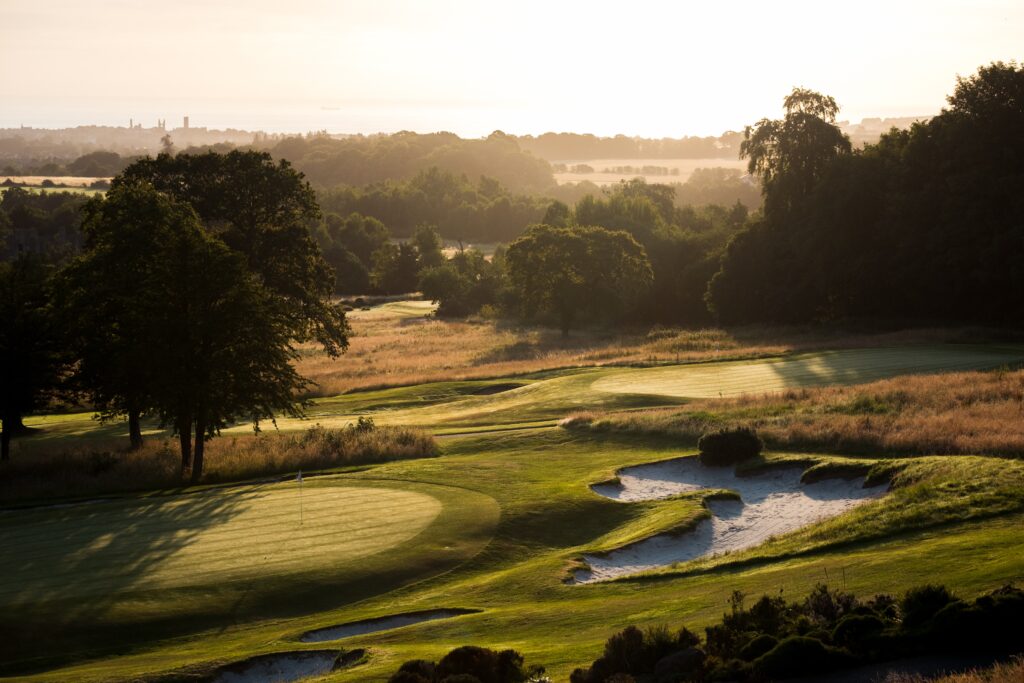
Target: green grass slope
(934,527)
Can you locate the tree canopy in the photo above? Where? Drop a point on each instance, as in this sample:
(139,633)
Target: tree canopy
(261,210)
(577,273)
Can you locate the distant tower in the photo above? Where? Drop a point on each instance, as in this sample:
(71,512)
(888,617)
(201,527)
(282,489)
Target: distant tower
(186,123)
(131,123)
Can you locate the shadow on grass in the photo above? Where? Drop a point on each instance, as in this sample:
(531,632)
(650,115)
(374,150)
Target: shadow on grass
(67,568)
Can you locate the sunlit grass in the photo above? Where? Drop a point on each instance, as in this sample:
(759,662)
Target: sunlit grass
(957,412)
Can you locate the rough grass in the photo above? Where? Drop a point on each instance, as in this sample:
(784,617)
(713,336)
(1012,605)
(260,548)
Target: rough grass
(56,468)
(951,413)
(401,344)
(1009,672)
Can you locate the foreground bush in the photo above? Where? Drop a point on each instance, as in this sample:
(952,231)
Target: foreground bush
(86,472)
(827,631)
(729,446)
(469,664)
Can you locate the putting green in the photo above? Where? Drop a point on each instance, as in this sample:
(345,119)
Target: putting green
(211,537)
(853,366)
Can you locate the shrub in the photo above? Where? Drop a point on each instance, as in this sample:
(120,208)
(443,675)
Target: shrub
(471,663)
(855,631)
(729,446)
(799,656)
(757,647)
(826,606)
(624,650)
(922,603)
(686,638)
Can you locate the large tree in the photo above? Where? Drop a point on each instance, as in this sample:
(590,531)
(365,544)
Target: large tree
(32,357)
(166,319)
(262,210)
(233,358)
(791,155)
(105,297)
(577,272)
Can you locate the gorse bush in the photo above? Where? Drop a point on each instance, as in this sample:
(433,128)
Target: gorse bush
(729,446)
(921,604)
(828,630)
(469,664)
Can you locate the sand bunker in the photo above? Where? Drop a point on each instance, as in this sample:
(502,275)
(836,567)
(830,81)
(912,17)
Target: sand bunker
(359,628)
(283,667)
(773,503)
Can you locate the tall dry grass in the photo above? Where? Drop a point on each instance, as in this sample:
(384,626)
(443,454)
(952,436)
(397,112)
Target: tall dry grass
(950,413)
(1010,672)
(397,350)
(59,471)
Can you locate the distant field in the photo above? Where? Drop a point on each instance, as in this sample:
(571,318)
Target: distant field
(686,167)
(69,180)
(34,184)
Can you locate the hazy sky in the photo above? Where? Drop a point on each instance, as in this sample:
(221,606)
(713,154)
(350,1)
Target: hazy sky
(640,68)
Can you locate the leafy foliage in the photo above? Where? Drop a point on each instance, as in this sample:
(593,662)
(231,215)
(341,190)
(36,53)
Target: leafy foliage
(32,349)
(729,446)
(569,272)
(469,664)
(923,226)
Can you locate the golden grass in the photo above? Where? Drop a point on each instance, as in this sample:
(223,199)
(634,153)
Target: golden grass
(395,349)
(55,470)
(949,413)
(1010,672)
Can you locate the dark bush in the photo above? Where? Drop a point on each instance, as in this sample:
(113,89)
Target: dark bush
(687,638)
(729,446)
(856,631)
(757,647)
(729,670)
(825,606)
(922,603)
(768,615)
(991,623)
(420,667)
(800,656)
(468,664)
(624,651)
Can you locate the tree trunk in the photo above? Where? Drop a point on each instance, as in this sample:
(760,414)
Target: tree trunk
(197,461)
(5,441)
(185,438)
(134,429)
(14,424)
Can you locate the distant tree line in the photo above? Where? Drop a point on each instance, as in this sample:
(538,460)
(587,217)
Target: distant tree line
(98,164)
(44,222)
(577,146)
(484,211)
(364,160)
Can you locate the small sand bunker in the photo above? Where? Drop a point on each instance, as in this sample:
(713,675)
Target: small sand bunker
(283,667)
(773,503)
(360,628)
(496,388)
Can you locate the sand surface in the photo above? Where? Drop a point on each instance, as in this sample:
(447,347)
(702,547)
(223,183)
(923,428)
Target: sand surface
(282,668)
(359,628)
(773,503)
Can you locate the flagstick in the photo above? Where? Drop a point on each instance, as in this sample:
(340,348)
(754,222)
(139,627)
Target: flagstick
(300,497)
